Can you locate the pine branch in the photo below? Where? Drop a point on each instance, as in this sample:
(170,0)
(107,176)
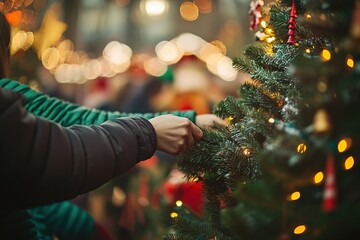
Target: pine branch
(268,70)
(254,97)
(243,64)
(201,157)
(258,53)
(189,228)
(230,107)
(279,23)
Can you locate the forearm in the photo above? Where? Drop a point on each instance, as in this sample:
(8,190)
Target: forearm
(68,114)
(43,162)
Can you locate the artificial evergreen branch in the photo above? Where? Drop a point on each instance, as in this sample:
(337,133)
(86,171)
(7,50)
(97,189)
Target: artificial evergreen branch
(198,229)
(229,107)
(278,143)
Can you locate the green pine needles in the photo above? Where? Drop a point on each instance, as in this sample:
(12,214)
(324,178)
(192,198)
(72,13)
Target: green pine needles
(263,174)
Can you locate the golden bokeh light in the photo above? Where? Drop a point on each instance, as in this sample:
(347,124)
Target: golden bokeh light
(301,148)
(179,203)
(194,179)
(344,144)
(189,43)
(300,229)
(246,152)
(118,196)
(120,68)
(168,52)
(50,58)
(321,121)
(21,41)
(263,24)
(228,120)
(212,61)
(268,31)
(294,196)
(318,178)
(174,215)
(66,51)
(325,55)
(29,41)
(206,50)
(308,51)
(155,67)
(65,45)
(349,163)
(189,11)
(153,7)
(270,39)
(117,53)
(225,69)
(91,69)
(106,70)
(350,62)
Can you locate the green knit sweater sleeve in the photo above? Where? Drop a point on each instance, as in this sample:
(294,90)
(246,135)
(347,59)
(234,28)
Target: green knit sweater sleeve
(64,220)
(67,114)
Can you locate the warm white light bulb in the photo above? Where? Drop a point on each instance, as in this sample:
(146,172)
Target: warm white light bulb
(154,7)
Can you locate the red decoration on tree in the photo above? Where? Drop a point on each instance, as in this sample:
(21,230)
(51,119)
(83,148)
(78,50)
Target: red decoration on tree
(177,187)
(292,25)
(255,13)
(329,195)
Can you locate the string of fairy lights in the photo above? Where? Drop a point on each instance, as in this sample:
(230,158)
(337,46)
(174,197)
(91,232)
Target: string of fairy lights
(320,124)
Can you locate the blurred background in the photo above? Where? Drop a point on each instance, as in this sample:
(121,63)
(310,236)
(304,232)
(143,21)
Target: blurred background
(132,56)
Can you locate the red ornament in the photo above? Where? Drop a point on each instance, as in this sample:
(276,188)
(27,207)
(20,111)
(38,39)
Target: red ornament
(189,192)
(291,32)
(329,195)
(255,13)
(292,25)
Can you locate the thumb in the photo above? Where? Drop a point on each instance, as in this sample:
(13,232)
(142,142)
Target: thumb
(196,131)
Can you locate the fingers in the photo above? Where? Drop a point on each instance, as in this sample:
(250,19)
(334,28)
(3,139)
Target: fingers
(190,134)
(220,121)
(196,132)
(190,141)
(175,134)
(208,120)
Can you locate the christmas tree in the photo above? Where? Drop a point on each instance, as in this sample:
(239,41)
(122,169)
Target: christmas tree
(286,166)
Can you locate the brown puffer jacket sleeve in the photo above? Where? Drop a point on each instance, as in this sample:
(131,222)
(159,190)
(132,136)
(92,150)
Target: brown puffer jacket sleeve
(42,162)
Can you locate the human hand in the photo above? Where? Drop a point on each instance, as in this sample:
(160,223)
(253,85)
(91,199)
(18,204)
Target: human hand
(175,134)
(208,120)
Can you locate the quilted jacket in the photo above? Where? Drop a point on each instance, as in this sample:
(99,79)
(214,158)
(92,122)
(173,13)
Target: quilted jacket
(66,114)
